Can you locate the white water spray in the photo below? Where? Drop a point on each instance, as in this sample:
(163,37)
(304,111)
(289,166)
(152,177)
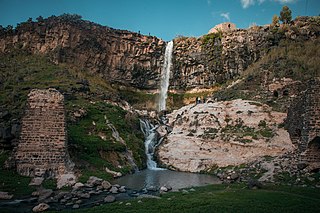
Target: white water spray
(165,75)
(150,143)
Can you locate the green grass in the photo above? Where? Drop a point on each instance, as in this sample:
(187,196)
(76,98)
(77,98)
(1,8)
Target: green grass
(290,59)
(12,182)
(21,71)
(87,148)
(223,198)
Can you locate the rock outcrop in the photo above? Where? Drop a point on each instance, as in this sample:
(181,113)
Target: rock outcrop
(119,56)
(42,148)
(223,27)
(136,60)
(222,134)
(217,57)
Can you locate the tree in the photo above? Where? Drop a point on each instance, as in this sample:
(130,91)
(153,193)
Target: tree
(285,15)
(40,19)
(275,20)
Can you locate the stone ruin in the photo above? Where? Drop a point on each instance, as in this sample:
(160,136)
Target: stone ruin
(42,148)
(303,124)
(223,27)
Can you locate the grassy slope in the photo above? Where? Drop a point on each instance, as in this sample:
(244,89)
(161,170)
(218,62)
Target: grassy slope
(296,60)
(21,72)
(222,198)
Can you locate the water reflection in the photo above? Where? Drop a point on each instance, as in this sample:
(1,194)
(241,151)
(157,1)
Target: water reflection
(157,178)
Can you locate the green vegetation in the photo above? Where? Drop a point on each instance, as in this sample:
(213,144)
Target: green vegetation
(295,60)
(93,146)
(224,198)
(285,15)
(21,71)
(12,182)
(275,21)
(211,38)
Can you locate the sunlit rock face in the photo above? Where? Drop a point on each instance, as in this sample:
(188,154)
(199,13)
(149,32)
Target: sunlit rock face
(119,56)
(221,134)
(136,60)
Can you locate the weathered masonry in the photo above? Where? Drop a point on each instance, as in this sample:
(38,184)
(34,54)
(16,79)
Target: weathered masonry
(42,149)
(303,124)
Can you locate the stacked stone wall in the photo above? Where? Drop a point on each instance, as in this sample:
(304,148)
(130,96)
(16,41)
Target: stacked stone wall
(303,123)
(42,149)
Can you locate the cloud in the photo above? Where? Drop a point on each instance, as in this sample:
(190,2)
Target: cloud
(226,16)
(247,3)
(286,1)
(209,2)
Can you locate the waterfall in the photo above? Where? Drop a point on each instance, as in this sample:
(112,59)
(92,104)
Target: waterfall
(165,75)
(150,143)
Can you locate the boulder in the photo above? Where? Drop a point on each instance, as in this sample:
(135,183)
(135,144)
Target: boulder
(254,184)
(234,176)
(75,206)
(44,194)
(122,189)
(78,185)
(68,179)
(94,181)
(109,199)
(106,185)
(37,181)
(5,196)
(114,190)
(163,189)
(40,207)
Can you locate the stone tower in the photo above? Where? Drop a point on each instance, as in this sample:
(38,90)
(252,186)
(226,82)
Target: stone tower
(42,148)
(303,124)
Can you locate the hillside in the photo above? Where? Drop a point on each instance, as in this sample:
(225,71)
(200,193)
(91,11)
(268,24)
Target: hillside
(109,77)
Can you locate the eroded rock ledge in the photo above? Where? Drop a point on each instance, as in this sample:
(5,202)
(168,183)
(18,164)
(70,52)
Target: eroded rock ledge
(222,134)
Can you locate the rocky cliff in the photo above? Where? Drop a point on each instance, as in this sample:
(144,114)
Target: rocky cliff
(221,134)
(136,60)
(217,57)
(117,55)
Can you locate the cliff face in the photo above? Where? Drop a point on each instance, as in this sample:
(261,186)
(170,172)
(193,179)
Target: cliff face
(215,58)
(118,56)
(135,60)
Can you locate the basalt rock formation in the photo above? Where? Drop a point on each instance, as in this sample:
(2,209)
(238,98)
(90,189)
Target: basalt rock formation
(136,60)
(119,56)
(217,57)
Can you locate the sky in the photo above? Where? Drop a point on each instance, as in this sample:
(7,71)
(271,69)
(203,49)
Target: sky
(165,19)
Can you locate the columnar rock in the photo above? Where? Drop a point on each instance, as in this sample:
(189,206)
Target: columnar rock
(132,59)
(118,56)
(303,123)
(42,148)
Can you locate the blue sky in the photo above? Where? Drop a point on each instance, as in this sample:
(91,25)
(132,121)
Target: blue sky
(165,19)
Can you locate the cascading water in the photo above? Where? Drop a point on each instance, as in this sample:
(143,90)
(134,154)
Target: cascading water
(165,75)
(150,143)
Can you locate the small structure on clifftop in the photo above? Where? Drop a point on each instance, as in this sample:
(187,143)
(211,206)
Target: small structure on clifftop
(303,124)
(223,27)
(42,148)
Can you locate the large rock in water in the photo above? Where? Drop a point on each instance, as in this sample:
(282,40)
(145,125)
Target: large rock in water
(222,134)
